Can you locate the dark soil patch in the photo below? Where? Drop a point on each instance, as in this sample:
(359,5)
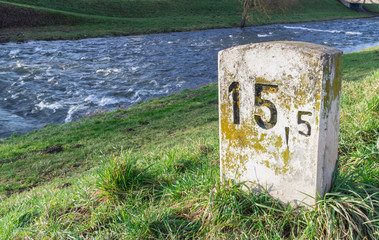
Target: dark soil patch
(53,149)
(213,102)
(66,185)
(81,210)
(19,17)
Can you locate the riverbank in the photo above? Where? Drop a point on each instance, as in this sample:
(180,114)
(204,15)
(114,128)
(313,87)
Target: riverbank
(23,20)
(66,80)
(61,181)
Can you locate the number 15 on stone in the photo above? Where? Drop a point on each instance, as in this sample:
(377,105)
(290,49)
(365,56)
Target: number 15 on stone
(279,117)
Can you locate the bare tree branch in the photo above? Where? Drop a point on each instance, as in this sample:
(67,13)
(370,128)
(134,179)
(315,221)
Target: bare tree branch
(264,6)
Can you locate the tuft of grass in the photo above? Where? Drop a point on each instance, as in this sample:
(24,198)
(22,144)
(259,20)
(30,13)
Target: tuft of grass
(119,175)
(349,211)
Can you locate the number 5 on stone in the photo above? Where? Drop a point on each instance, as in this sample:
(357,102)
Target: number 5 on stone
(259,102)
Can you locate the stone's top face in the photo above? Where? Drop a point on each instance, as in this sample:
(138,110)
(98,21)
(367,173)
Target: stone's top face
(275,99)
(290,58)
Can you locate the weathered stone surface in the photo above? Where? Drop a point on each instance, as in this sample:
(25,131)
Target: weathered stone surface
(279,117)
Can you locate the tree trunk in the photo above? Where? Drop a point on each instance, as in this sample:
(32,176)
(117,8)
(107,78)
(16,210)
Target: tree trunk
(246,8)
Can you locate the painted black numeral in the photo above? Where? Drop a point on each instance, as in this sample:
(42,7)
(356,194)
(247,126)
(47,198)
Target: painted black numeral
(259,102)
(287,130)
(234,88)
(301,121)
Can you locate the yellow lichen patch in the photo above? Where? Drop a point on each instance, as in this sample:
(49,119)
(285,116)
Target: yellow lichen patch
(337,78)
(279,142)
(271,90)
(237,137)
(234,163)
(258,147)
(331,86)
(286,159)
(277,169)
(263,81)
(280,160)
(318,104)
(238,97)
(236,134)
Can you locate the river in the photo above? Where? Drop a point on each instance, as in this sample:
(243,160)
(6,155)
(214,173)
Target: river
(49,82)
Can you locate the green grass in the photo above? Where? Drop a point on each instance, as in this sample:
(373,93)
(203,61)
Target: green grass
(49,20)
(152,172)
(163,121)
(372,7)
(135,9)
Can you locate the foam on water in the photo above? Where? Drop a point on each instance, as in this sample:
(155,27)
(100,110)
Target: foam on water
(14,52)
(108,71)
(322,30)
(72,110)
(54,106)
(104,101)
(263,35)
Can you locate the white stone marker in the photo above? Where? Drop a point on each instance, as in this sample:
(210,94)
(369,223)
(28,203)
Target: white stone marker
(279,117)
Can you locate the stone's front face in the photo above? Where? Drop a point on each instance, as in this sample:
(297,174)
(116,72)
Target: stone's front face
(279,117)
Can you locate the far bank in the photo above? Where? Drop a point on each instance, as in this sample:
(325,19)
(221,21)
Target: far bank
(23,20)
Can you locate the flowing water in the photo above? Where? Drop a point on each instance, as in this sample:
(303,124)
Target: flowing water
(43,82)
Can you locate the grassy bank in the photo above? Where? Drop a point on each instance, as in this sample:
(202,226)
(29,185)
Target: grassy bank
(372,7)
(152,172)
(48,20)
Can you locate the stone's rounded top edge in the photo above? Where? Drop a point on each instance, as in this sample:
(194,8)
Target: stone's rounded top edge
(308,45)
(303,46)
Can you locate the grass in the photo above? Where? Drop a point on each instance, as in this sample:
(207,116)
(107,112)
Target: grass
(372,7)
(152,172)
(26,160)
(51,20)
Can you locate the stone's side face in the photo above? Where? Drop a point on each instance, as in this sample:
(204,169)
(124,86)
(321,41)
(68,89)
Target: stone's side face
(279,117)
